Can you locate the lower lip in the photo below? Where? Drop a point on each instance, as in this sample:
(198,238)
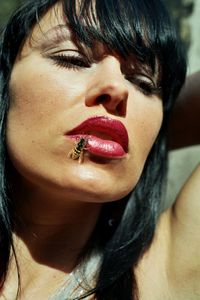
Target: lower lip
(101,147)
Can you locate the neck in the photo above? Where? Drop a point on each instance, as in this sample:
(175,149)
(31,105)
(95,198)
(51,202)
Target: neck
(52,231)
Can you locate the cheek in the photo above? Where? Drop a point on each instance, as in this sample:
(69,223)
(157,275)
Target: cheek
(42,96)
(33,115)
(146,121)
(147,116)
(32,100)
(150,126)
(41,103)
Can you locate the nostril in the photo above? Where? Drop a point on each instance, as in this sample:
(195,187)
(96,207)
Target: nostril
(121,109)
(103,98)
(112,104)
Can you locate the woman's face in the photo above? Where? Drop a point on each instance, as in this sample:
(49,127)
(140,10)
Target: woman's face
(54,87)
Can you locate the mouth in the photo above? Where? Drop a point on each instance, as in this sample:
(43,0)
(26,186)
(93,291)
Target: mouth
(105,137)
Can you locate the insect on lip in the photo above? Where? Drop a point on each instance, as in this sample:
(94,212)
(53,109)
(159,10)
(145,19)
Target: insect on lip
(78,151)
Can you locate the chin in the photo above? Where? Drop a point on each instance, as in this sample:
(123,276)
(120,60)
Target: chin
(95,184)
(98,195)
(86,182)
(93,190)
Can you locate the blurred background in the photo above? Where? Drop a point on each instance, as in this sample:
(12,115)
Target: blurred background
(186,14)
(182,162)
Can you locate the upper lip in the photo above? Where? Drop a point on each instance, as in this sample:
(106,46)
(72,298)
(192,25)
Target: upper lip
(101,124)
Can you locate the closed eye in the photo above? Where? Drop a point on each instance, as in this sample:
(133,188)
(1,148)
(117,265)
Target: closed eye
(144,84)
(70,61)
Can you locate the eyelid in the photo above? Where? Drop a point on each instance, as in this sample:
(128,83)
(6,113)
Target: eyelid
(145,77)
(63,50)
(144,83)
(71,61)
(68,53)
(141,77)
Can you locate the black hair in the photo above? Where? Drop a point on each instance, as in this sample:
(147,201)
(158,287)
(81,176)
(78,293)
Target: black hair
(142,28)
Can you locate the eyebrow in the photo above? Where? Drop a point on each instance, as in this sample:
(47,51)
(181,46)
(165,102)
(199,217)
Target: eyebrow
(55,36)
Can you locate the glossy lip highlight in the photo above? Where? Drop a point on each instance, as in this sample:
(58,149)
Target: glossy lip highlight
(111,135)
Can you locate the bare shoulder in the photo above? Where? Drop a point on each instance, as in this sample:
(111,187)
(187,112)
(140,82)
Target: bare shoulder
(186,209)
(185,226)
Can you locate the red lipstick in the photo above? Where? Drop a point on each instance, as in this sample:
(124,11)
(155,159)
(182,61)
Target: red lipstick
(105,136)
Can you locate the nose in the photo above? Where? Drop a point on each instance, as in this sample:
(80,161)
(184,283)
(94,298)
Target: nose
(108,87)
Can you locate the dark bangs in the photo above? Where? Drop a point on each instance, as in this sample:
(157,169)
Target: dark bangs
(122,25)
(131,27)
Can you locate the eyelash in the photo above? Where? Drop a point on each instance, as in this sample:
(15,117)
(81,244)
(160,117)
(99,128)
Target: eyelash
(146,87)
(70,61)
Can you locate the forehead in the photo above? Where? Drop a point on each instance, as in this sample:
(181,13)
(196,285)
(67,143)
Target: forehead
(52,18)
(51,26)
